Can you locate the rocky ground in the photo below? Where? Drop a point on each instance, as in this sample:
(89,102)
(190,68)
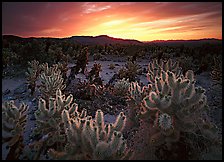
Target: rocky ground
(16,89)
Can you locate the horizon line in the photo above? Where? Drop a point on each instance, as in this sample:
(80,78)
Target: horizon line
(110,37)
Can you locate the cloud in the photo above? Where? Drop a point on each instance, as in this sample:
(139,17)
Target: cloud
(128,19)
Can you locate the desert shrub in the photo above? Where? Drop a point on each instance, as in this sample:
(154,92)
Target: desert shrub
(9,58)
(97,56)
(216,73)
(187,63)
(130,71)
(121,87)
(94,74)
(111,66)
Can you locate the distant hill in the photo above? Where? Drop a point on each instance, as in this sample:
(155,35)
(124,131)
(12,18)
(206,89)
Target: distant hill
(101,39)
(104,39)
(197,42)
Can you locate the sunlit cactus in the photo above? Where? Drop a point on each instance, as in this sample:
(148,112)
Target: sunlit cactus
(92,139)
(13,125)
(157,70)
(181,100)
(51,80)
(48,117)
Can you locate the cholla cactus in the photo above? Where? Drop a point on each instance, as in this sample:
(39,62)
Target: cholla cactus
(135,103)
(48,117)
(51,80)
(92,139)
(121,87)
(13,125)
(32,75)
(156,69)
(180,99)
(137,93)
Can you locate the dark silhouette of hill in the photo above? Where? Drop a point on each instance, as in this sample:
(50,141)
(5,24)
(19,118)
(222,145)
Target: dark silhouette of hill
(196,42)
(104,39)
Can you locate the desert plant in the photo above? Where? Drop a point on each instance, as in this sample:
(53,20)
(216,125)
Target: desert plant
(155,69)
(172,110)
(216,73)
(121,87)
(92,139)
(94,74)
(187,63)
(97,56)
(130,71)
(111,66)
(13,125)
(51,80)
(32,75)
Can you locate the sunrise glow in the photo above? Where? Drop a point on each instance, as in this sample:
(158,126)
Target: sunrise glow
(144,21)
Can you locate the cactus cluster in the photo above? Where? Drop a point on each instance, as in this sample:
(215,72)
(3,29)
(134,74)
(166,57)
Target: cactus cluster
(81,136)
(179,98)
(51,80)
(48,116)
(13,125)
(155,69)
(173,106)
(92,139)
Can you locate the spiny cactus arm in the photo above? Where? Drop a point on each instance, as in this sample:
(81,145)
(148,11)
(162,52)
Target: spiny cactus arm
(115,141)
(120,122)
(42,112)
(99,119)
(190,75)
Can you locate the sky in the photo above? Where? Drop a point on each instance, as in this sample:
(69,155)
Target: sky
(143,21)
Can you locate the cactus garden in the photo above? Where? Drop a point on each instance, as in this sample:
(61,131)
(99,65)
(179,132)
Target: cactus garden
(104,98)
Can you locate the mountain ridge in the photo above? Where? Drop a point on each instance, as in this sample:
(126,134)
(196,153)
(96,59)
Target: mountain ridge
(105,39)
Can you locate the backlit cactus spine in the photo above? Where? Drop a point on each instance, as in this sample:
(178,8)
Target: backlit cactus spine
(92,139)
(13,125)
